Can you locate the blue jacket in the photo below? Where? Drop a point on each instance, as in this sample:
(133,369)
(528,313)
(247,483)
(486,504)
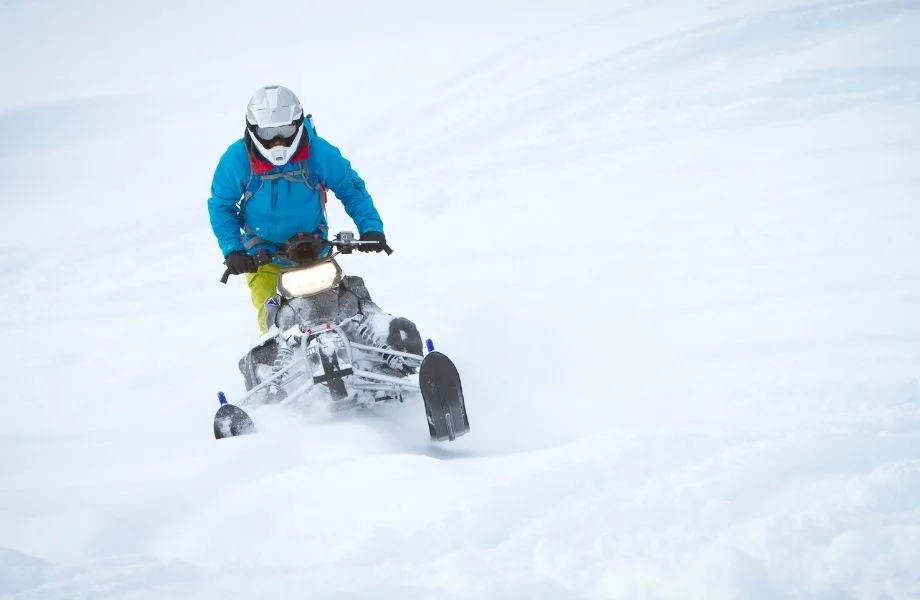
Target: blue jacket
(281,208)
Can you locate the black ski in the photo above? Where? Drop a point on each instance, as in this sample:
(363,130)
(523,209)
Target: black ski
(231,421)
(443,395)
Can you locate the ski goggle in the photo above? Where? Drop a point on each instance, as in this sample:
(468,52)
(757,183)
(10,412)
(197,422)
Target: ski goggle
(283,132)
(271,133)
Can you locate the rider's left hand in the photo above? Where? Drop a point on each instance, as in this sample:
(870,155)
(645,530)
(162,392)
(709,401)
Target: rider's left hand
(372,236)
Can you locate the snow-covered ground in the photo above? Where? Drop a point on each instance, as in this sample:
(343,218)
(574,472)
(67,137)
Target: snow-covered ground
(672,246)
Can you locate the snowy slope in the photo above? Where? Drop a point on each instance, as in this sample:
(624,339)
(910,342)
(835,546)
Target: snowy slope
(672,247)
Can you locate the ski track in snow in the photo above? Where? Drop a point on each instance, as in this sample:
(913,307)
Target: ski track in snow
(720,198)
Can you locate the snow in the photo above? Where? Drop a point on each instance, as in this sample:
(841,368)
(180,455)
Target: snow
(671,246)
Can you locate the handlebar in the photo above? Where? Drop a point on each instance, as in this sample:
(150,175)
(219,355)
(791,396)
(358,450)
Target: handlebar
(344,242)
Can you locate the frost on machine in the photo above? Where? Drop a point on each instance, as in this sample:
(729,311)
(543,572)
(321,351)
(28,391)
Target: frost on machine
(329,340)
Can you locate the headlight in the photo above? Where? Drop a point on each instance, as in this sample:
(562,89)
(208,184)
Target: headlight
(310,280)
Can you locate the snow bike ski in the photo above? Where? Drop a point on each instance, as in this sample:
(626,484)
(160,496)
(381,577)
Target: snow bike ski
(328,336)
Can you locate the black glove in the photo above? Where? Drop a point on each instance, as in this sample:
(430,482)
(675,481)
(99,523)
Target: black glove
(372,236)
(239,262)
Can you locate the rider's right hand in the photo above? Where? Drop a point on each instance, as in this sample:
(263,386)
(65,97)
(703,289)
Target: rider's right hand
(239,262)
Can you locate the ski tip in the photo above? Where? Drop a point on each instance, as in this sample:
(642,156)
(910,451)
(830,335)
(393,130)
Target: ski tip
(429,344)
(232,421)
(222,398)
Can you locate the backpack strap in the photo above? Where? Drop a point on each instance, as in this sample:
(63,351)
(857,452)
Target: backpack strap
(252,186)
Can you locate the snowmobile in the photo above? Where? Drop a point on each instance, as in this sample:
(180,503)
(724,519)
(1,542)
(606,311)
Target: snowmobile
(326,335)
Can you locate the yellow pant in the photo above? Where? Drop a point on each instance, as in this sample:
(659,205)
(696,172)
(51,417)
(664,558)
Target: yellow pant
(262,286)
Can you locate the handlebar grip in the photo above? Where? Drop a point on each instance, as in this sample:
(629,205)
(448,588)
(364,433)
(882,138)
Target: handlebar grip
(226,276)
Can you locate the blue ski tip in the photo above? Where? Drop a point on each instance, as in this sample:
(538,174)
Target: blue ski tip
(429,344)
(221,398)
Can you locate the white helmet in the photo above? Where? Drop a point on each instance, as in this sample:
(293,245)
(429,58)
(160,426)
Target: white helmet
(274,121)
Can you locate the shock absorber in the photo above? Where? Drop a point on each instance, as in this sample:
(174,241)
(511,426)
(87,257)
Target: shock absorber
(367,333)
(282,360)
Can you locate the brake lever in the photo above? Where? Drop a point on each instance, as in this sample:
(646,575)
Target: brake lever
(357,244)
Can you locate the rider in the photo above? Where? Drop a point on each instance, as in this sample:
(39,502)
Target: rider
(271,185)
